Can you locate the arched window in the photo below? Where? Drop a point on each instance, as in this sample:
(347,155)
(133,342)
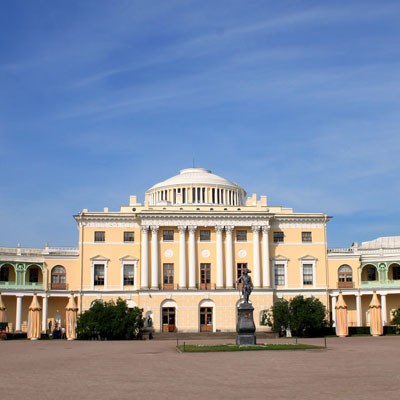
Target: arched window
(345,276)
(58,278)
(5,273)
(371,274)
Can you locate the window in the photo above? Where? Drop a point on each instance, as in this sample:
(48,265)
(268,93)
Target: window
(98,274)
(4,273)
(34,274)
(168,276)
(205,276)
(58,278)
(371,274)
(99,236)
(205,235)
(306,237)
(129,236)
(345,274)
(239,272)
(278,237)
(241,236)
(279,270)
(129,277)
(396,273)
(168,235)
(307,274)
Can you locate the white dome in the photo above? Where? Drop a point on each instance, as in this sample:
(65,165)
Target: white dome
(195,176)
(204,187)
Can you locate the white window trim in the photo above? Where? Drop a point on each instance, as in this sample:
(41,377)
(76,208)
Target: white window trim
(283,261)
(129,261)
(104,261)
(308,260)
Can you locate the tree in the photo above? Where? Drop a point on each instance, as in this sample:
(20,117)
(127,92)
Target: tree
(303,316)
(110,320)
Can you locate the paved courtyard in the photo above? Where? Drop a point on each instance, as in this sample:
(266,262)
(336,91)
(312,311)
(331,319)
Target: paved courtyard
(351,368)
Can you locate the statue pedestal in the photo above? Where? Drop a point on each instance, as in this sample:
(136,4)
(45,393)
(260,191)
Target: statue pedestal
(245,327)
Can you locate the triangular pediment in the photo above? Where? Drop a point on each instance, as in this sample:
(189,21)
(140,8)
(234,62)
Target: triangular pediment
(280,257)
(129,258)
(99,257)
(308,257)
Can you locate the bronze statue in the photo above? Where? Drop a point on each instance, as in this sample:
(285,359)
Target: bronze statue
(247,284)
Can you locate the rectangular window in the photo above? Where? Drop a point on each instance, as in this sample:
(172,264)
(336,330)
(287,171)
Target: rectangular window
(205,276)
(129,236)
(168,276)
(98,274)
(241,236)
(278,237)
(168,235)
(205,235)
(306,237)
(279,270)
(129,277)
(99,236)
(307,274)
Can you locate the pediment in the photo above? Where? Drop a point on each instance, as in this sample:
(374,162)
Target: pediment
(308,257)
(129,258)
(99,257)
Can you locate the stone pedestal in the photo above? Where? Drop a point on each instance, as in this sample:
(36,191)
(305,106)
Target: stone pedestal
(245,327)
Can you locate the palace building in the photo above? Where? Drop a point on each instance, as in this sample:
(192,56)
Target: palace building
(178,255)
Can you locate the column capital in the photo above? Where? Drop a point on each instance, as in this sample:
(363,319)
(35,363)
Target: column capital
(219,228)
(229,229)
(266,228)
(255,228)
(192,228)
(182,228)
(145,228)
(154,228)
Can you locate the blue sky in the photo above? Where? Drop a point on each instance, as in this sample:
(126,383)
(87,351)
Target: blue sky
(297,100)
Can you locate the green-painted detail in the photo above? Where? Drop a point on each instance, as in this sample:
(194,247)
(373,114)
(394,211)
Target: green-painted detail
(378,284)
(13,285)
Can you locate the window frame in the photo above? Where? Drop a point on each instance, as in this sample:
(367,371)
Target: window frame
(279,237)
(205,235)
(306,237)
(205,276)
(129,236)
(308,271)
(279,266)
(241,235)
(96,282)
(168,277)
(125,277)
(166,233)
(99,236)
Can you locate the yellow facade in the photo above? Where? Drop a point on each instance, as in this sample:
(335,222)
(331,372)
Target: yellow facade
(178,256)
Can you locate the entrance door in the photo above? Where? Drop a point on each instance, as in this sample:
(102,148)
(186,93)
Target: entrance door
(168,319)
(206,319)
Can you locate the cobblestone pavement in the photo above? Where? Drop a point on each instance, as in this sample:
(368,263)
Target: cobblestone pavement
(350,368)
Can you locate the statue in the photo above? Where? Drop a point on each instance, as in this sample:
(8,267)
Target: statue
(247,284)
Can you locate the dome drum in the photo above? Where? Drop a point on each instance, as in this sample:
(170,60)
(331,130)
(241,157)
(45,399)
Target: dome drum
(196,186)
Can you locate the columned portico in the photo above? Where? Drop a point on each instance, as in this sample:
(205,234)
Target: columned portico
(266,273)
(256,256)
(383,309)
(359,309)
(18,316)
(229,257)
(333,309)
(182,257)
(154,257)
(220,264)
(145,258)
(192,257)
(44,313)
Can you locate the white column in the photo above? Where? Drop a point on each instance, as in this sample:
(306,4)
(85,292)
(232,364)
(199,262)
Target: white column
(383,309)
(359,310)
(220,265)
(229,257)
(256,256)
(145,258)
(192,257)
(182,257)
(333,310)
(44,313)
(154,257)
(266,269)
(18,316)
